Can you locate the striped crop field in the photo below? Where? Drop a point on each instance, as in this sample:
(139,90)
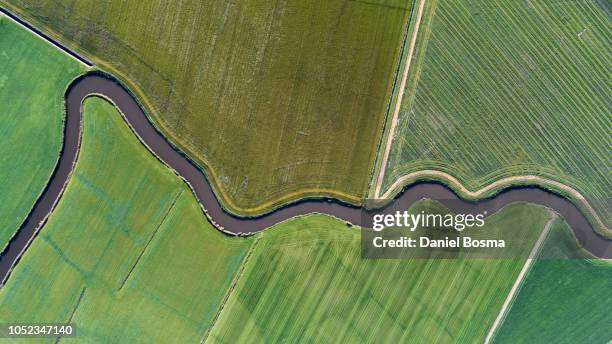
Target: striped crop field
(277,100)
(135,248)
(306,281)
(565,298)
(33,78)
(508,88)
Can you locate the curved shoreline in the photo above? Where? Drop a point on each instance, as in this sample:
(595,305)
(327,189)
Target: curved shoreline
(99,84)
(491,188)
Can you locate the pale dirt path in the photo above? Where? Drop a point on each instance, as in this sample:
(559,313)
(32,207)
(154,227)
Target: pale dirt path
(400,96)
(499,184)
(519,280)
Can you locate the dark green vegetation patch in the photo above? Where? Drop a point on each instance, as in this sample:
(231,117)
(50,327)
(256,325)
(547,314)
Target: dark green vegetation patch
(566,299)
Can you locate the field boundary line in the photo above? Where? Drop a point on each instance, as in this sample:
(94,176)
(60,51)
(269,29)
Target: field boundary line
(519,280)
(392,95)
(498,184)
(144,249)
(398,102)
(231,288)
(76,306)
(32,29)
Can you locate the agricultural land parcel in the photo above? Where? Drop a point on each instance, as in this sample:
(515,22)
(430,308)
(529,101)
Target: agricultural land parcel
(575,291)
(498,89)
(33,78)
(306,281)
(124,258)
(279,99)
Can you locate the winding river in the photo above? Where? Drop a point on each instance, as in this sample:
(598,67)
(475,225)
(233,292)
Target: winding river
(103,85)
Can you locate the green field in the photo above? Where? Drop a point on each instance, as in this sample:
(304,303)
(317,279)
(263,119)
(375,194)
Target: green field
(128,253)
(33,77)
(500,89)
(574,290)
(306,281)
(278,99)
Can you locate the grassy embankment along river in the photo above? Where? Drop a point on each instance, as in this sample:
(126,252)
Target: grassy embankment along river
(33,79)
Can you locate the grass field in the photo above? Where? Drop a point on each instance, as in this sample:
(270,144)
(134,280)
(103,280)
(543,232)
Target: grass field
(128,253)
(33,77)
(574,290)
(499,89)
(278,99)
(306,281)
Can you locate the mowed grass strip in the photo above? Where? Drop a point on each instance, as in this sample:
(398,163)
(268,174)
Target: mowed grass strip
(33,78)
(306,282)
(278,99)
(510,88)
(129,235)
(565,298)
